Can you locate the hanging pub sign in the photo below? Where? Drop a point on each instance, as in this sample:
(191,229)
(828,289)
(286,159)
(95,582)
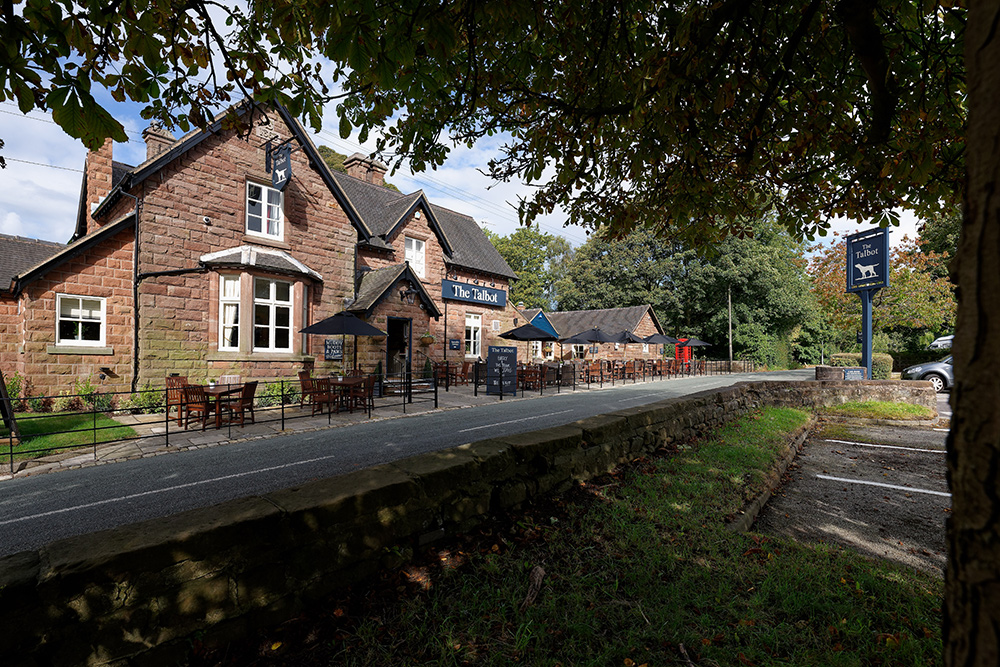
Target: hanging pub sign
(487,296)
(281,167)
(501,370)
(868,260)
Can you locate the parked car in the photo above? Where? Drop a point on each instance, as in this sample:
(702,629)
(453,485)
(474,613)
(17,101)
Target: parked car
(942,343)
(938,373)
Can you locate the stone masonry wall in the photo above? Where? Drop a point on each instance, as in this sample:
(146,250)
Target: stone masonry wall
(137,594)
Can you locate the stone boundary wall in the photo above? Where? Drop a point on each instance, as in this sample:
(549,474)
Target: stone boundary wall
(136,595)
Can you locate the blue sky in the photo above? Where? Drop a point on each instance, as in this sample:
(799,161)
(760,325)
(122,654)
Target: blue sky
(40,188)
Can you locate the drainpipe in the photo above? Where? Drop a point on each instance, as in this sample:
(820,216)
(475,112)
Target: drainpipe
(135,293)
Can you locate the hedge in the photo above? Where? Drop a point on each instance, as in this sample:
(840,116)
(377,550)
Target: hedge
(881,363)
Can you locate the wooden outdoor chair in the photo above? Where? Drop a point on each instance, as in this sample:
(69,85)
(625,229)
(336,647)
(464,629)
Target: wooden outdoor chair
(175,396)
(239,406)
(307,387)
(229,379)
(362,396)
(323,394)
(462,374)
(196,401)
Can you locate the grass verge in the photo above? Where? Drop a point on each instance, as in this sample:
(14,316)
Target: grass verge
(879,410)
(638,570)
(46,434)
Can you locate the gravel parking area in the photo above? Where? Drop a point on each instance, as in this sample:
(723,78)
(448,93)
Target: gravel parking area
(880,491)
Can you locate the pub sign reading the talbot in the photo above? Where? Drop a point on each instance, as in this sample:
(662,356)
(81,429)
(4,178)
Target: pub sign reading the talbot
(487,296)
(868,260)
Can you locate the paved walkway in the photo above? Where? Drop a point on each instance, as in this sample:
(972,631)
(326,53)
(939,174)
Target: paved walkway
(158,436)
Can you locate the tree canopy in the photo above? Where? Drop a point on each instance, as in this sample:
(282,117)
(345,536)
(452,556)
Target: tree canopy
(684,117)
(538,259)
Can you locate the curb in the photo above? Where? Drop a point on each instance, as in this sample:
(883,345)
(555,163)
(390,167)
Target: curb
(750,511)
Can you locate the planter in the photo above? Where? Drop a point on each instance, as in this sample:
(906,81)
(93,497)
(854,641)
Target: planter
(426,340)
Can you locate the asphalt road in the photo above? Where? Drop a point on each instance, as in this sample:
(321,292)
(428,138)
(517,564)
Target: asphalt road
(37,510)
(880,491)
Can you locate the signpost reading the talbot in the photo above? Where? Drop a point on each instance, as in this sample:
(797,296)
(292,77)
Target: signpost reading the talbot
(867,272)
(501,370)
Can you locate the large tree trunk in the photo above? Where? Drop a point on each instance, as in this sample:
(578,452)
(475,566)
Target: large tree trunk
(972,584)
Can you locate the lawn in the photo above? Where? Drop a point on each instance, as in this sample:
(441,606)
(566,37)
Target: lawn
(633,568)
(41,434)
(879,410)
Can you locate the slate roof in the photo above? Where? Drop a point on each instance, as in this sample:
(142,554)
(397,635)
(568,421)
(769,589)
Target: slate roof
(374,285)
(382,209)
(609,320)
(18,254)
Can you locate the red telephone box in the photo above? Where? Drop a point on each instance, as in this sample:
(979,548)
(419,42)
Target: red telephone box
(682,353)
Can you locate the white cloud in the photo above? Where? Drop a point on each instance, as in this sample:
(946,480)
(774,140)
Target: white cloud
(11,224)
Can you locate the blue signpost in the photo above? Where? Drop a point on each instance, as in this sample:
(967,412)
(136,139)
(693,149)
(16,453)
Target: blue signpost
(867,272)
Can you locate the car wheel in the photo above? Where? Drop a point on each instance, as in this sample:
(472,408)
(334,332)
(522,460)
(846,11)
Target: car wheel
(936,381)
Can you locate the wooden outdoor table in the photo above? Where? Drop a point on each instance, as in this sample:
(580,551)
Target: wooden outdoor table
(341,384)
(219,391)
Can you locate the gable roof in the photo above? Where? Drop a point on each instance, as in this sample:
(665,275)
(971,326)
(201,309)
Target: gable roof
(375,286)
(610,320)
(18,254)
(131,176)
(69,251)
(463,242)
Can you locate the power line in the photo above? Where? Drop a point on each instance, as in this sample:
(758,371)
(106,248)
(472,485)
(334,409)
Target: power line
(452,190)
(40,164)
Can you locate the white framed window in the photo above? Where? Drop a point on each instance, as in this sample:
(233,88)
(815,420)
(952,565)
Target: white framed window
(414,250)
(496,325)
(645,348)
(579,351)
(473,335)
(272,315)
(550,351)
(229,312)
(536,349)
(80,320)
(265,211)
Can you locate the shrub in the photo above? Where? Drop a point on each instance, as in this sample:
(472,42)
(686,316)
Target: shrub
(881,363)
(843,359)
(146,401)
(881,366)
(272,394)
(40,403)
(67,403)
(90,395)
(15,386)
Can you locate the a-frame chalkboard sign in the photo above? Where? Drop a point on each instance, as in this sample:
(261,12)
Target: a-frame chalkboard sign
(7,409)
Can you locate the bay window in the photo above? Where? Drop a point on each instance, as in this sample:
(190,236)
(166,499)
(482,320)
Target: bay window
(272,315)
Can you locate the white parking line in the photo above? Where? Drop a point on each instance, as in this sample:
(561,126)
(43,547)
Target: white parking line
(868,444)
(514,421)
(885,486)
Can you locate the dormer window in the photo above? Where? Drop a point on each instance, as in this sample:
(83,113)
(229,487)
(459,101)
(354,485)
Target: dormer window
(265,211)
(415,255)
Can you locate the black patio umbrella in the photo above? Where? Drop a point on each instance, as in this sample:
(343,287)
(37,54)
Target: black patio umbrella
(344,324)
(627,337)
(694,342)
(594,335)
(529,332)
(660,339)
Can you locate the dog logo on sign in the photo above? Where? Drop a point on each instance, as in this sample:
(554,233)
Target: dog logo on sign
(867,271)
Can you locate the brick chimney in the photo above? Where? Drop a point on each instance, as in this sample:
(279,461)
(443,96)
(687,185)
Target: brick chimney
(98,172)
(157,139)
(366,169)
